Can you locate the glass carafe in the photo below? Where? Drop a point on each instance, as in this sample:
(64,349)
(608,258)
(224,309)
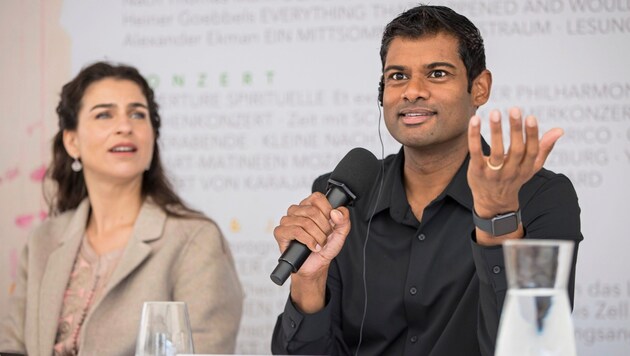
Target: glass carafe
(536,318)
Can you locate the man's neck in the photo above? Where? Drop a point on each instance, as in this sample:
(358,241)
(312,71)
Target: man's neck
(427,172)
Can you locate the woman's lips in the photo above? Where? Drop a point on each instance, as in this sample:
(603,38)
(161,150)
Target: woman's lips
(123,149)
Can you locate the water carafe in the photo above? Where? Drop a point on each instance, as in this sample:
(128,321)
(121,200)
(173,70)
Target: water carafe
(536,318)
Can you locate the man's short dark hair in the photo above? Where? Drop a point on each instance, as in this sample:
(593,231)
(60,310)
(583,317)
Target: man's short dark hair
(426,20)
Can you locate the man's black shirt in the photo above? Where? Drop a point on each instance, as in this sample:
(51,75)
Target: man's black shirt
(431,290)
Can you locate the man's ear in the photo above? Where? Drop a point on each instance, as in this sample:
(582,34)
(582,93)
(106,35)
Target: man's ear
(70,143)
(481,87)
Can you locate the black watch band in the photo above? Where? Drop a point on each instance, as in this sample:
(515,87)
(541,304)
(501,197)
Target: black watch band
(499,225)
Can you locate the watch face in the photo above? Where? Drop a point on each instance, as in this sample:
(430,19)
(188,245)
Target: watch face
(505,224)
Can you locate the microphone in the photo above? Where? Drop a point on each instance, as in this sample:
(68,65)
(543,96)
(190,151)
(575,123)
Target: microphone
(349,181)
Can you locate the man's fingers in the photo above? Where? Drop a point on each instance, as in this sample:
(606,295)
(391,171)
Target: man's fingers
(531,144)
(315,207)
(341,220)
(474,143)
(547,142)
(308,223)
(312,222)
(517,144)
(290,229)
(497,150)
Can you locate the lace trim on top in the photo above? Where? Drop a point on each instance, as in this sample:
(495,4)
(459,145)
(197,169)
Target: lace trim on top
(88,280)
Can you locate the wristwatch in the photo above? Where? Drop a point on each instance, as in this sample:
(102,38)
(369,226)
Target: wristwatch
(499,225)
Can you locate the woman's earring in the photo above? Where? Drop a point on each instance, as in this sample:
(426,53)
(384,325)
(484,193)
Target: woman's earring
(76,165)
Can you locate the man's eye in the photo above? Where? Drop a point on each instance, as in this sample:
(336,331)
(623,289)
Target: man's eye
(437,74)
(103,115)
(398,76)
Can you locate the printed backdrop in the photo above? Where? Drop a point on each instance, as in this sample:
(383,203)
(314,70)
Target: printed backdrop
(260,97)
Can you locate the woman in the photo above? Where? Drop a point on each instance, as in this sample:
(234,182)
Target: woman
(119,235)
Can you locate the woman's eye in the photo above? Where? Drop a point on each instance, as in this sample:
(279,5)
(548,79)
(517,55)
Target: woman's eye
(139,115)
(103,115)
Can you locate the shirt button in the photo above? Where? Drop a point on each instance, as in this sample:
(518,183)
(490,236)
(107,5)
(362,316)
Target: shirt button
(421,237)
(413,291)
(496,269)
(413,339)
(293,324)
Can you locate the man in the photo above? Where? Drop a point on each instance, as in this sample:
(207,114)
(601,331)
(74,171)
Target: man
(434,278)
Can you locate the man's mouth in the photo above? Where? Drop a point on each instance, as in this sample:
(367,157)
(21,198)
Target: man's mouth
(416,117)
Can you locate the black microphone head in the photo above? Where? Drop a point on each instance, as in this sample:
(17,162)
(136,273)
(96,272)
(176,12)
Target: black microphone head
(357,170)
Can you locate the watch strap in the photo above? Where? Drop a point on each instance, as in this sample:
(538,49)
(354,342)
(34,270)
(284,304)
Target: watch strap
(499,225)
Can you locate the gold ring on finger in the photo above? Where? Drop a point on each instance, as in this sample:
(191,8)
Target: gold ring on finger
(493,167)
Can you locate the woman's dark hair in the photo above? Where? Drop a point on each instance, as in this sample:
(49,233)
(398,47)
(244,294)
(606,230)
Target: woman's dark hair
(429,20)
(70,185)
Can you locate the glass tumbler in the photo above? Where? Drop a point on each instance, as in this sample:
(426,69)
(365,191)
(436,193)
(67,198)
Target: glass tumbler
(164,330)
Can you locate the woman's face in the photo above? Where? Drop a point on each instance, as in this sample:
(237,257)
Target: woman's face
(114,138)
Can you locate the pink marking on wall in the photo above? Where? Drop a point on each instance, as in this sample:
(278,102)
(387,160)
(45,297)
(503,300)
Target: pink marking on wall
(12,173)
(24,221)
(31,128)
(39,173)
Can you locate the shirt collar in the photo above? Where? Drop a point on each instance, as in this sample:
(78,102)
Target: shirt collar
(394,198)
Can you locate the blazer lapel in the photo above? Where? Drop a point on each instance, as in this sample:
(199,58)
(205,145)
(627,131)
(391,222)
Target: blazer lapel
(148,227)
(56,276)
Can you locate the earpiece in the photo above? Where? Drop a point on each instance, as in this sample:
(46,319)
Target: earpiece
(381,88)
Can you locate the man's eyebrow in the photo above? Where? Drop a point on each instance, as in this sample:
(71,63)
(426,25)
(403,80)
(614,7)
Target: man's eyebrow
(440,64)
(433,65)
(394,67)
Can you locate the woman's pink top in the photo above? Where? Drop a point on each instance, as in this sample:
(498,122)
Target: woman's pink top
(88,280)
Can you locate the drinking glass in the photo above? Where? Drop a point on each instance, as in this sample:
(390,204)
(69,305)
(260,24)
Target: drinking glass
(164,330)
(536,317)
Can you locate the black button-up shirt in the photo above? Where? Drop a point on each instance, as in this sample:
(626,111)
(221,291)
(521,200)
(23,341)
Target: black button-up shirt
(431,290)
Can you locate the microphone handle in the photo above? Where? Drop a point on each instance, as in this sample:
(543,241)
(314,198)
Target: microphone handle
(295,255)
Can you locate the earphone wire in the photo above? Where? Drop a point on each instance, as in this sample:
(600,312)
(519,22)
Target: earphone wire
(367,234)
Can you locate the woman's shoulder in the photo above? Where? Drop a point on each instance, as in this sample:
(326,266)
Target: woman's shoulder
(51,229)
(182,226)
(190,222)
(200,234)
